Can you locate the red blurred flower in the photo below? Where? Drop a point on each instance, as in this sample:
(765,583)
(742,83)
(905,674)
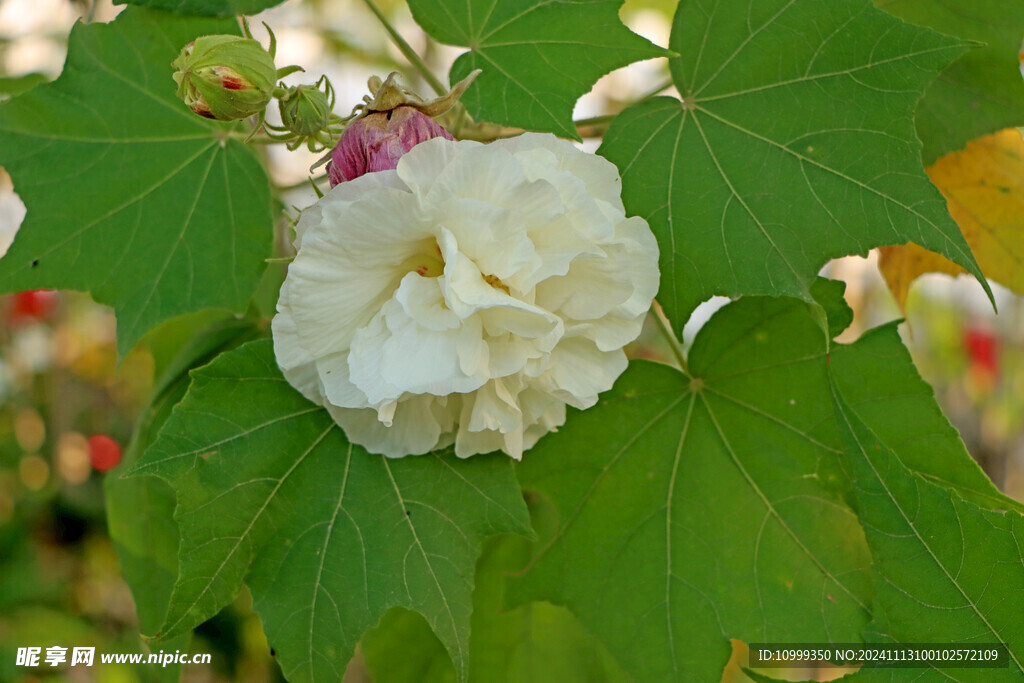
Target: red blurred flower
(34,304)
(104,452)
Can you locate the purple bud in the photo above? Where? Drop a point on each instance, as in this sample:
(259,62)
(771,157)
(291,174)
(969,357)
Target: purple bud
(378,140)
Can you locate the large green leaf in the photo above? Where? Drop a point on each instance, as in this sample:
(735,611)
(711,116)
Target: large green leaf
(981,92)
(327,536)
(794,144)
(695,511)
(878,377)
(692,512)
(216,8)
(147,544)
(130,196)
(534,643)
(948,571)
(140,510)
(538,57)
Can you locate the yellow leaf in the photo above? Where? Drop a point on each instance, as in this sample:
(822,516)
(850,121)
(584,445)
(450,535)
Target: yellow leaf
(984,189)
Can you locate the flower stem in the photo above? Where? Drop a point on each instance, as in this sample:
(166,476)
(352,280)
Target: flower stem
(666,331)
(594,120)
(407,50)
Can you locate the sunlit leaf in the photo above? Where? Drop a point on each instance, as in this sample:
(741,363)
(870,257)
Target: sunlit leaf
(327,536)
(538,57)
(794,144)
(984,186)
(130,196)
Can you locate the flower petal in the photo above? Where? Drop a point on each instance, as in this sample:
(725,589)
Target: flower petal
(341,277)
(579,371)
(468,296)
(420,425)
(395,355)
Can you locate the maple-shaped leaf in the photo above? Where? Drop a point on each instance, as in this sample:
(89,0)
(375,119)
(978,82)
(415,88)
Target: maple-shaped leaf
(980,93)
(794,143)
(689,511)
(538,57)
(130,196)
(327,536)
(533,643)
(984,187)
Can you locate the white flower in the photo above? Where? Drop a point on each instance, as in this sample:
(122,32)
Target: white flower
(466,296)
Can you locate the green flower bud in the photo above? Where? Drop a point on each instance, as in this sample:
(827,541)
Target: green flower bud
(305,110)
(225,77)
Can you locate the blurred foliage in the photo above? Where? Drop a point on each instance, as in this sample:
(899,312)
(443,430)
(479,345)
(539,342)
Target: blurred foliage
(59,384)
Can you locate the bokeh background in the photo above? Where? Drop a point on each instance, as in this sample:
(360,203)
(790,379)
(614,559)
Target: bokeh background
(67,407)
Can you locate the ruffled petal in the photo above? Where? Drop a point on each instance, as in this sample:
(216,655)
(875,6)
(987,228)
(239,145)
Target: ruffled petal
(467,296)
(345,193)
(395,355)
(579,371)
(297,364)
(348,268)
(420,424)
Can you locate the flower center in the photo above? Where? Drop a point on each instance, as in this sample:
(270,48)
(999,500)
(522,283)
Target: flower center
(427,262)
(496,283)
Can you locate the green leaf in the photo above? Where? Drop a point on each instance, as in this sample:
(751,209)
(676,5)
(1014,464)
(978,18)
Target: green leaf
(829,295)
(141,527)
(981,92)
(533,643)
(15,85)
(948,571)
(403,649)
(216,8)
(794,144)
(538,57)
(140,513)
(695,511)
(140,510)
(327,536)
(878,378)
(692,512)
(130,196)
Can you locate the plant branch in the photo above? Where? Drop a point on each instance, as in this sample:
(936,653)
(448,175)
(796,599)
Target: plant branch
(407,50)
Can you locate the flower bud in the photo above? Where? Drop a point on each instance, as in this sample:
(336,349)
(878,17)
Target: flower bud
(305,110)
(377,141)
(391,121)
(225,77)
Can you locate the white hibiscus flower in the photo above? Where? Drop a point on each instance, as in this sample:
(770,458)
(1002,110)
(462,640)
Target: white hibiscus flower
(466,296)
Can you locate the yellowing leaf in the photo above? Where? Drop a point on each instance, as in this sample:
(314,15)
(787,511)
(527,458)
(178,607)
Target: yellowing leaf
(904,263)
(984,189)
